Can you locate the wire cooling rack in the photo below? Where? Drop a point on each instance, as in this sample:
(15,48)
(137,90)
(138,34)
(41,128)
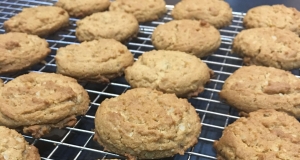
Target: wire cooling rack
(77,142)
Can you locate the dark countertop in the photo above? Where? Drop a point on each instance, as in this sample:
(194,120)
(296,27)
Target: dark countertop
(244,5)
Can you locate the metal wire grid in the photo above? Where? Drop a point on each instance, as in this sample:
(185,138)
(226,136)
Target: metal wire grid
(76,142)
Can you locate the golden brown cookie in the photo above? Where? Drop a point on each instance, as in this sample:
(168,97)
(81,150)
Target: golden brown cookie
(216,12)
(40,20)
(146,124)
(96,61)
(169,72)
(265,134)
(278,16)
(37,102)
(120,26)
(195,37)
(268,47)
(13,146)
(82,8)
(251,88)
(144,11)
(20,50)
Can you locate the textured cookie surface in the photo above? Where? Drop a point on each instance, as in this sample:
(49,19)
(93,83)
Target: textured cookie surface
(80,8)
(278,16)
(265,134)
(98,60)
(146,124)
(216,12)
(20,50)
(41,20)
(13,146)
(195,37)
(255,87)
(268,47)
(120,26)
(146,10)
(169,72)
(39,101)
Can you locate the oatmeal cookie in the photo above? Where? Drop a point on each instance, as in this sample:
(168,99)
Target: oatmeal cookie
(251,88)
(146,124)
(278,16)
(40,20)
(268,47)
(120,26)
(13,146)
(96,61)
(264,134)
(195,37)
(216,12)
(37,102)
(169,72)
(21,50)
(146,10)
(82,8)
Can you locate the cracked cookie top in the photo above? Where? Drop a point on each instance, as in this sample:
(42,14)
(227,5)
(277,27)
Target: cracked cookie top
(268,47)
(264,134)
(251,88)
(146,124)
(40,99)
(191,36)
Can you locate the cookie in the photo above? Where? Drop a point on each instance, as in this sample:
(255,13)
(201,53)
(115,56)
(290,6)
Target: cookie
(40,20)
(120,26)
(216,12)
(80,8)
(195,37)
(169,72)
(255,87)
(20,50)
(37,102)
(265,134)
(146,124)
(268,47)
(96,61)
(278,16)
(13,146)
(147,10)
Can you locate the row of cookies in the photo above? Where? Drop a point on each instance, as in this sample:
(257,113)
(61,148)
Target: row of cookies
(264,92)
(270,50)
(111,24)
(45,20)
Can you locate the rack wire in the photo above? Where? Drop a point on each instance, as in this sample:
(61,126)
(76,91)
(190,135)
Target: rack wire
(77,142)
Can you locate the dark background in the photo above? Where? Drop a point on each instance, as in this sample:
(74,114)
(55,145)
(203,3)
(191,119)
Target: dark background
(244,5)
